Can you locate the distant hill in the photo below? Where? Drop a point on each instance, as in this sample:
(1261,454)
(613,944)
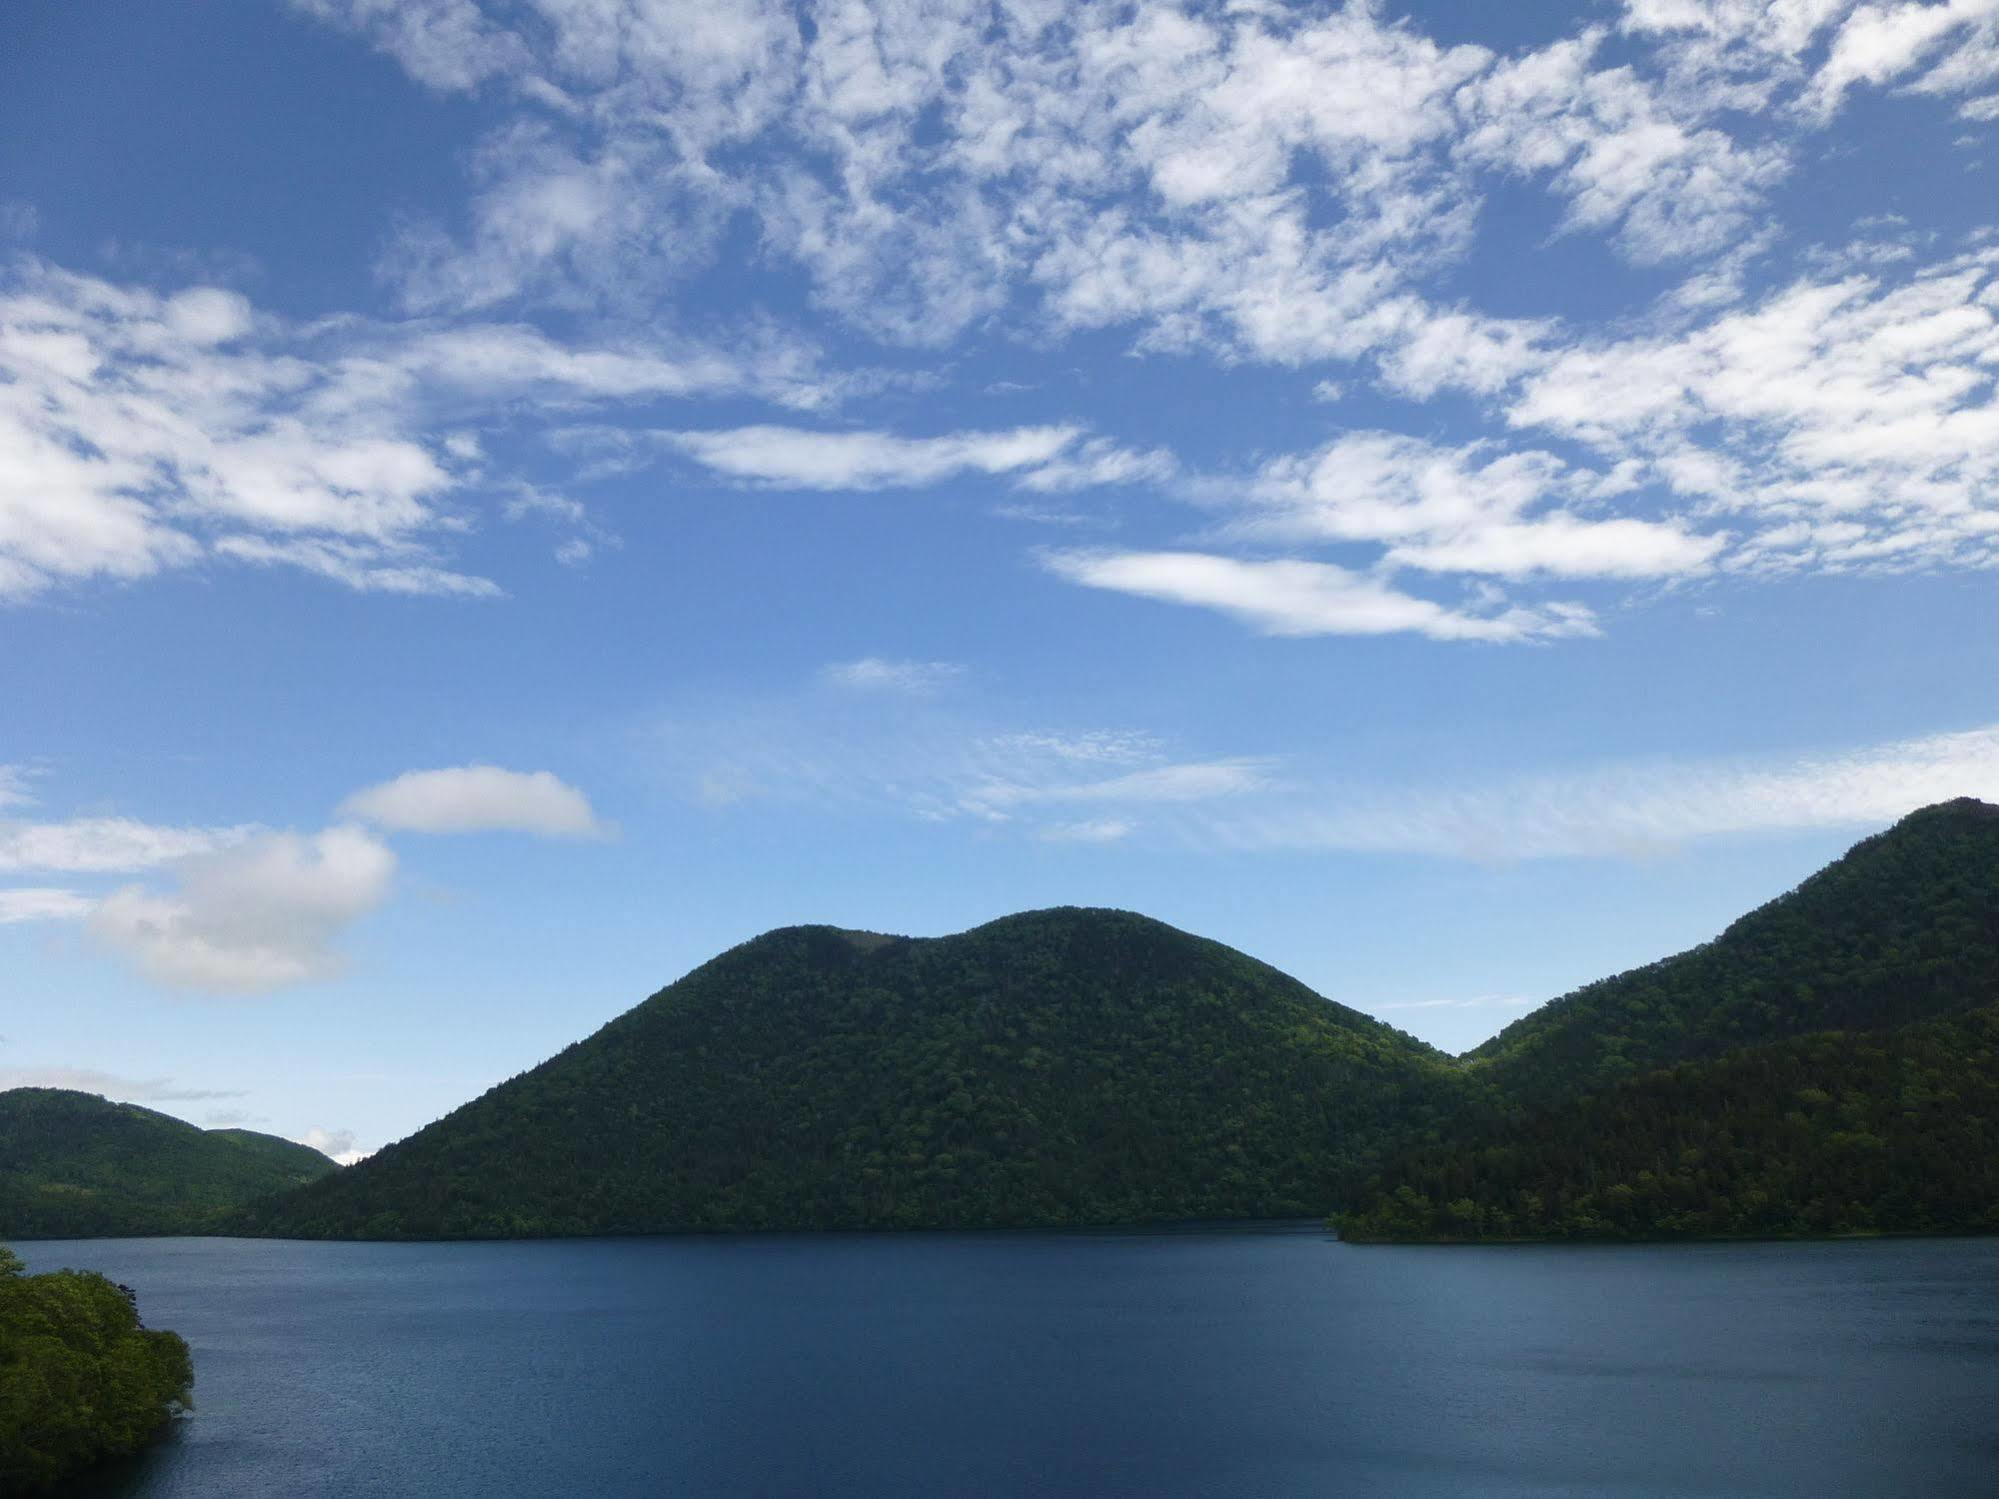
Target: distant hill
(73,1165)
(1829,1064)
(1059,1067)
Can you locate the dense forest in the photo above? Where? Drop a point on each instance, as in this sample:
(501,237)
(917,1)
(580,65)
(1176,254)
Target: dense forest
(73,1165)
(1826,1065)
(1060,1067)
(1830,1064)
(82,1380)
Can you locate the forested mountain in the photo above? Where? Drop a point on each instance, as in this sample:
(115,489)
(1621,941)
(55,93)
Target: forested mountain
(1829,1064)
(1904,927)
(73,1165)
(1058,1067)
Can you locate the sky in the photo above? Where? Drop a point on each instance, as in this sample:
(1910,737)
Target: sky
(501,500)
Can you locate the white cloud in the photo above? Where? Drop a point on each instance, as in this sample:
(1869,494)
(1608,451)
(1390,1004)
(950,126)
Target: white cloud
(110,1085)
(142,432)
(1635,809)
(1842,424)
(1096,830)
(1617,150)
(1297,598)
(259,916)
(340,1145)
(1879,43)
(925,757)
(106,845)
(1467,510)
(1043,458)
(873,674)
(1244,179)
(1475,1002)
(33,903)
(1196,781)
(477,798)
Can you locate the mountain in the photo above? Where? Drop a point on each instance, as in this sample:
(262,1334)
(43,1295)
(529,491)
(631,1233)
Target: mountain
(1829,1064)
(1058,1067)
(73,1165)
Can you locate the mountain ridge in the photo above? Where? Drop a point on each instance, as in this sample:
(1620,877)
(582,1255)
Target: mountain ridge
(74,1165)
(1072,1065)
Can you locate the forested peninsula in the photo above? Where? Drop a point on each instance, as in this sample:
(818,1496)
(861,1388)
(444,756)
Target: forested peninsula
(82,1379)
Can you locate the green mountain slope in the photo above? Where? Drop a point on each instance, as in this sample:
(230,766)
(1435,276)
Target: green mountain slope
(73,1165)
(1904,927)
(1826,1065)
(1066,1066)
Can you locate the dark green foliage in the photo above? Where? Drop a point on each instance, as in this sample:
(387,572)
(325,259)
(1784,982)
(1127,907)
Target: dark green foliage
(73,1165)
(1905,927)
(1068,1066)
(1830,1064)
(81,1379)
(1829,1134)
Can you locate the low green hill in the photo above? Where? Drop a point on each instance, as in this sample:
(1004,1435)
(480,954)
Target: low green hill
(73,1165)
(1829,1064)
(1059,1067)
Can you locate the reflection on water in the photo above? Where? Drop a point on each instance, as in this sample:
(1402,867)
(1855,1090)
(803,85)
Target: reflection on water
(1197,1361)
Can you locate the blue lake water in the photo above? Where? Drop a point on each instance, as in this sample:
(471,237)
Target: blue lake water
(1269,1362)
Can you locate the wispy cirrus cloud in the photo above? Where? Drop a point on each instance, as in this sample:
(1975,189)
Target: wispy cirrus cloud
(43,903)
(1302,598)
(1619,810)
(875,674)
(106,845)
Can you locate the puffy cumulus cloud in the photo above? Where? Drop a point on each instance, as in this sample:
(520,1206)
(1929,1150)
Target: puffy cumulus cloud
(1635,809)
(873,674)
(338,1145)
(262,915)
(111,1085)
(475,799)
(1300,598)
(42,903)
(1043,458)
(141,431)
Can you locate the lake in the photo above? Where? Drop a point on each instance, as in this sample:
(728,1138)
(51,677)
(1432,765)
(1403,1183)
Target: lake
(1258,1362)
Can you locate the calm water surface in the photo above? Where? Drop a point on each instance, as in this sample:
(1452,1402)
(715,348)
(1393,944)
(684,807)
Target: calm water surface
(1259,1363)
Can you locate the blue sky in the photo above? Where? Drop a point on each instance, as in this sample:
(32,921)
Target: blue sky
(503,499)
